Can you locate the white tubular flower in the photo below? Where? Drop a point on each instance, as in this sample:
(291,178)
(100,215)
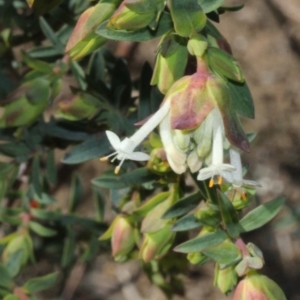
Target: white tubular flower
(217,167)
(125,149)
(176,157)
(235,177)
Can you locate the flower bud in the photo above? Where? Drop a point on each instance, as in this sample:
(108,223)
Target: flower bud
(197,258)
(209,215)
(197,45)
(225,279)
(83,39)
(78,107)
(258,287)
(122,240)
(31,97)
(170,62)
(126,19)
(158,161)
(156,244)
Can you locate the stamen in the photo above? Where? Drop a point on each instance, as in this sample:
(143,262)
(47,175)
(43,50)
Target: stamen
(211,183)
(220,180)
(105,158)
(117,169)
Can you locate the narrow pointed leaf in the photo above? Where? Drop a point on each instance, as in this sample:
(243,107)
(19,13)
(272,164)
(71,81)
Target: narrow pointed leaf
(145,34)
(261,214)
(210,5)
(90,149)
(200,243)
(186,223)
(242,99)
(41,230)
(6,281)
(38,284)
(183,206)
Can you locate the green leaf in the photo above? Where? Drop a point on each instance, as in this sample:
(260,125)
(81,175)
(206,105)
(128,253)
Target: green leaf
(242,99)
(76,193)
(45,52)
(41,230)
(109,181)
(96,67)
(144,107)
(229,216)
(134,178)
(6,281)
(261,214)
(79,75)
(18,149)
(198,244)
(224,64)
(52,129)
(38,284)
(138,177)
(186,223)
(90,149)
(210,5)
(143,210)
(16,260)
(121,85)
(145,34)
(51,168)
(11,297)
(43,214)
(188,17)
(100,205)
(69,248)
(225,253)
(183,206)
(37,65)
(35,178)
(236,7)
(91,250)
(50,34)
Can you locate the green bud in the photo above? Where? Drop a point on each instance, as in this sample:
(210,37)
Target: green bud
(209,215)
(197,45)
(225,279)
(158,162)
(83,39)
(80,106)
(122,240)
(258,287)
(197,258)
(156,244)
(127,19)
(170,63)
(26,104)
(153,220)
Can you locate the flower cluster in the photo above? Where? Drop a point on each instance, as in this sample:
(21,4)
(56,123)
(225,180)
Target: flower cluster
(196,124)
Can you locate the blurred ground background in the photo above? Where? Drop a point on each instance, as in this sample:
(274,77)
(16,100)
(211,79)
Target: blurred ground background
(265,39)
